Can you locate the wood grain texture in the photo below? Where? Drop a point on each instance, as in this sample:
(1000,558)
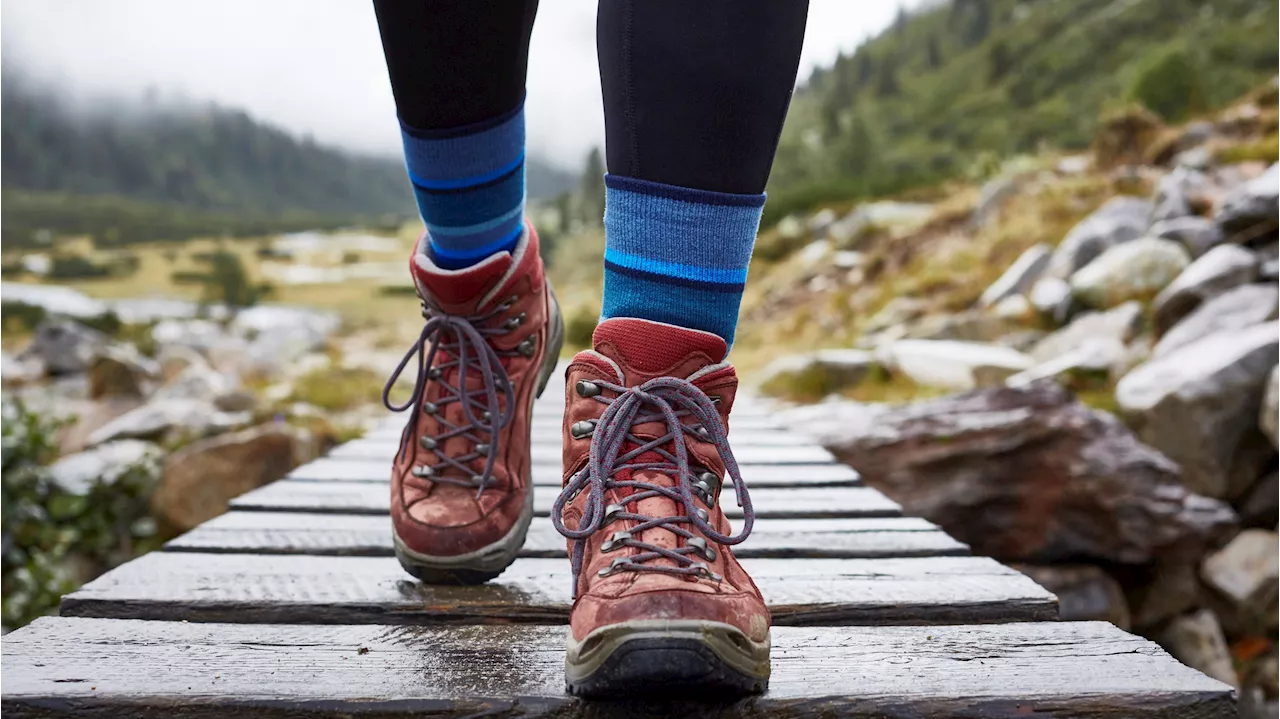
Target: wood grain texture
(329,469)
(547,430)
(372,498)
(120,668)
(347,590)
(548,452)
(370,536)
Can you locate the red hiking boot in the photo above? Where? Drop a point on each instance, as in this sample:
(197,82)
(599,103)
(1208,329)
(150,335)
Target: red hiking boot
(660,600)
(461,490)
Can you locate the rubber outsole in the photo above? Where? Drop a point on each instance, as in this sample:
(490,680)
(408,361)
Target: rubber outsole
(691,658)
(489,562)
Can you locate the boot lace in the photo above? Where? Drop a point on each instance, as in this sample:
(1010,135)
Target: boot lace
(463,341)
(666,399)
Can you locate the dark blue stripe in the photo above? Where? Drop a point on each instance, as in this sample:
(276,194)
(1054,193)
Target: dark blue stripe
(685,194)
(490,182)
(724,287)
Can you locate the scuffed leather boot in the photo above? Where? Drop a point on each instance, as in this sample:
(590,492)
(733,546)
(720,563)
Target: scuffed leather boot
(461,490)
(660,601)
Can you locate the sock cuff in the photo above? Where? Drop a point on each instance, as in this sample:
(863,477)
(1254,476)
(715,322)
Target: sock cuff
(465,157)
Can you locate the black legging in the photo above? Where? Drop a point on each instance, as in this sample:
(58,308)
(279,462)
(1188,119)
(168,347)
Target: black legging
(695,91)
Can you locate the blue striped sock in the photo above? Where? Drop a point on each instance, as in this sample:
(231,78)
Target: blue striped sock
(677,255)
(469,182)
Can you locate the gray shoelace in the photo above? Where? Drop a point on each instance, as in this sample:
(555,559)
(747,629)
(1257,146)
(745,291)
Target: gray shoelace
(465,341)
(666,399)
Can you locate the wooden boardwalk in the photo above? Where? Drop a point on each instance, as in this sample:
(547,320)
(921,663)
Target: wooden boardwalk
(293,605)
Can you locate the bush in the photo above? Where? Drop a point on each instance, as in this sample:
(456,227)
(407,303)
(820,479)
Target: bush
(1170,86)
(57,537)
(76,267)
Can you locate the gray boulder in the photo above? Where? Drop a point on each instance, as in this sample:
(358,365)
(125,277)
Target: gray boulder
(816,374)
(1094,358)
(121,371)
(168,419)
(1134,270)
(1199,404)
(64,346)
(1244,574)
(1085,592)
(1220,269)
(1019,277)
(1197,640)
(1031,474)
(952,364)
(1230,311)
(1173,193)
(1051,297)
(1251,207)
(1197,234)
(1118,221)
(1117,325)
(77,473)
(1267,419)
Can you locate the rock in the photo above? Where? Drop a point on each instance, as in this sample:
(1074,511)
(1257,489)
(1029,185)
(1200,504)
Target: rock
(1269,262)
(238,400)
(90,416)
(1085,592)
(1245,573)
(813,253)
(1267,416)
(1052,298)
(120,371)
(1019,277)
(969,325)
(20,371)
(952,364)
(1260,505)
(790,228)
(1021,340)
(1118,324)
(897,311)
(816,374)
(1251,208)
(991,198)
(198,381)
(1166,591)
(1073,165)
(832,419)
(77,473)
(1197,640)
(1197,234)
(1120,220)
(1199,404)
(1093,359)
(821,222)
(200,478)
(1230,311)
(882,215)
(1220,269)
(64,346)
(1015,308)
(846,259)
(1135,270)
(168,419)
(1173,191)
(1030,474)
(174,359)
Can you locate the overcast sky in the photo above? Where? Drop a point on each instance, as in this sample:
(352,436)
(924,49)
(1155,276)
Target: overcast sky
(315,66)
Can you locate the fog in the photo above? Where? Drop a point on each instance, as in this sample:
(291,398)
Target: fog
(315,67)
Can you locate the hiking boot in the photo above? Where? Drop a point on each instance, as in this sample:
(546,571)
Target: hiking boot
(461,490)
(660,602)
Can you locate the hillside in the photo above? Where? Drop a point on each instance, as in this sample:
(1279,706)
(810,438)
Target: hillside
(951,89)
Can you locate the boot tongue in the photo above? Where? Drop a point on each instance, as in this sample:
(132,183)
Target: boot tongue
(645,349)
(459,291)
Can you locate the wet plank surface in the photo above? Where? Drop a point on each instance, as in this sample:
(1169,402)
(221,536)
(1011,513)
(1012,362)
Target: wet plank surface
(119,668)
(371,498)
(363,535)
(337,590)
(763,476)
(548,453)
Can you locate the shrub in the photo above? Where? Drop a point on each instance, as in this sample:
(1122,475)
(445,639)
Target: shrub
(1170,86)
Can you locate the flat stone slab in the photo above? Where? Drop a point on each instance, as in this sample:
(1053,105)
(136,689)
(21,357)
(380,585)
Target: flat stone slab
(370,536)
(263,588)
(122,668)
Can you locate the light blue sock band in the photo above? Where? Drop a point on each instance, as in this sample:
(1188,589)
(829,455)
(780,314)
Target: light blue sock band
(677,255)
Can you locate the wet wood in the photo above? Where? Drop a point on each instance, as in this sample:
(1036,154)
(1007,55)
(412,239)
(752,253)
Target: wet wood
(361,535)
(119,668)
(549,475)
(336,590)
(372,498)
(548,453)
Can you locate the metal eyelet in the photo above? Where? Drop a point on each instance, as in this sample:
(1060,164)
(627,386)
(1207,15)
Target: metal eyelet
(615,541)
(586,388)
(702,513)
(529,346)
(616,565)
(700,544)
(702,490)
(486,415)
(482,448)
(427,442)
(434,373)
(423,471)
(611,511)
(430,407)
(715,398)
(514,322)
(702,432)
(582,428)
(704,570)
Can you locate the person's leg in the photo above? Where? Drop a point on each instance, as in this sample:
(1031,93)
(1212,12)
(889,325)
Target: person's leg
(458,74)
(695,94)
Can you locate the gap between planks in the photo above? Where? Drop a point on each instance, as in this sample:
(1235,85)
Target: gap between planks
(121,668)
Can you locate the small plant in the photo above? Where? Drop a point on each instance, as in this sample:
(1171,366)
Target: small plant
(226,281)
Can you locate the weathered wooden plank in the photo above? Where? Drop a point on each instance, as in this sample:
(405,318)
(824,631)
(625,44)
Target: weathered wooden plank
(547,453)
(336,590)
(121,668)
(364,535)
(330,469)
(372,498)
(549,432)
